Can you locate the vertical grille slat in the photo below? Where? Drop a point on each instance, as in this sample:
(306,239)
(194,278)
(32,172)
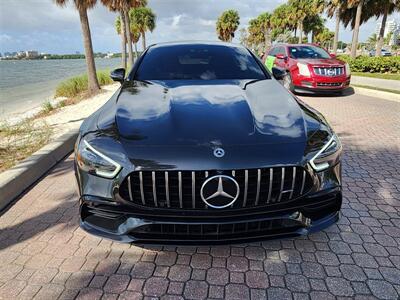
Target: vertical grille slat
(130,188)
(167,189)
(282,185)
(153,180)
(193,190)
(258,186)
(293,183)
(181,189)
(141,188)
(246,187)
(303,182)
(271,177)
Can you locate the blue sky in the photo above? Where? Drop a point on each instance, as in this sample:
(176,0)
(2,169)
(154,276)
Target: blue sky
(43,26)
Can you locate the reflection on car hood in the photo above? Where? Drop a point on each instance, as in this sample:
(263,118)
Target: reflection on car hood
(217,112)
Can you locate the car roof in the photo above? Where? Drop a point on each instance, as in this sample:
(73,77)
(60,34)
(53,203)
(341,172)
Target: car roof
(296,45)
(188,43)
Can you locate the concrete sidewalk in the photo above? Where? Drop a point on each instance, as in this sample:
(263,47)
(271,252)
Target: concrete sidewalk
(376,82)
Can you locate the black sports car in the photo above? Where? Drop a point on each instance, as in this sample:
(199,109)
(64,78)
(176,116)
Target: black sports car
(201,144)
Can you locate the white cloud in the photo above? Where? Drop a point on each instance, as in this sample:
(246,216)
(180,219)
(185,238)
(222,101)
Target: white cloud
(57,30)
(176,20)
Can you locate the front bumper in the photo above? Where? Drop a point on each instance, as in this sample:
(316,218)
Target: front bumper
(321,85)
(116,222)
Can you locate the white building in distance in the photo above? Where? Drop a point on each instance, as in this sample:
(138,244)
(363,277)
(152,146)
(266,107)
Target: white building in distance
(391,27)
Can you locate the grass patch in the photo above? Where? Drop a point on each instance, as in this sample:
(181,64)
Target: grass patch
(19,141)
(377,88)
(47,107)
(378,75)
(74,86)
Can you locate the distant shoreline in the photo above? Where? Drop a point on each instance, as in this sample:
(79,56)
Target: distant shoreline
(67,56)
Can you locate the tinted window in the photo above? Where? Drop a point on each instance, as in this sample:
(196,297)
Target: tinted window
(307,52)
(274,51)
(282,50)
(204,62)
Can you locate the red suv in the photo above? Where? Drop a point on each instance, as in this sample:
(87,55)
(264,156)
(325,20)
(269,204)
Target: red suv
(309,68)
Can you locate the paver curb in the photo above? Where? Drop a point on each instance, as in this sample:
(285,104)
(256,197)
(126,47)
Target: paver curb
(15,181)
(375,93)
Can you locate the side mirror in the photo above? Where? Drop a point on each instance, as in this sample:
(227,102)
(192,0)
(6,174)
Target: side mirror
(333,55)
(118,75)
(281,56)
(278,73)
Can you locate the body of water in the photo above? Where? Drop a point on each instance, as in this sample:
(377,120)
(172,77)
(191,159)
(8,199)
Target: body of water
(25,84)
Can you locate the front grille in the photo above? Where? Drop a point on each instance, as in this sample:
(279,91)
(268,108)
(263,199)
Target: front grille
(329,71)
(329,84)
(228,231)
(181,189)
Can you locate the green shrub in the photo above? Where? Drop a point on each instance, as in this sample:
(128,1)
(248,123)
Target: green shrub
(79,84)
(388,64)
(47,107)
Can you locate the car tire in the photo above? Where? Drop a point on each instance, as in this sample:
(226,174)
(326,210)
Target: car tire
(287,82)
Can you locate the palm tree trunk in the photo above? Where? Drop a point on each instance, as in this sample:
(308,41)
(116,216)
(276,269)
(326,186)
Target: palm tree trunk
(93,84)
(136,52)
(336,37)
(144,40)
(300,32)
(381,33)
(123,41)
(267,39)
(128,37)
(354,41)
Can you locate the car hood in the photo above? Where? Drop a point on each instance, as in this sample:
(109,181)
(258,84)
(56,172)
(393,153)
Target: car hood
(165,124)
(324,62)
(195,114)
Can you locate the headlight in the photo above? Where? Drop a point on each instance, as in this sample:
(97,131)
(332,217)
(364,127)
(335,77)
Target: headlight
(347,68)
(327,156)
(303,69)
(94,162)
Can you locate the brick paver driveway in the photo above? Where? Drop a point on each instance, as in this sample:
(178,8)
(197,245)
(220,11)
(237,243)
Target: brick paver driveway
(44,254)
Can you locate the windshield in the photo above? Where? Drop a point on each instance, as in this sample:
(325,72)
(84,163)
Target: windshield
(307,52)
(198,62)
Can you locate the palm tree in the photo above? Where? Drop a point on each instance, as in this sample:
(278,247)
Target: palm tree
(135,34)
(120,28)
(324,37)
(256,36)
(283,18)
(384,8)
(118,6)
(300,10)
(357,23)
(313,23)
(227,24)
(355,13)
(333,8)
(265,26)
(82,6)
(144,20)
(123,6)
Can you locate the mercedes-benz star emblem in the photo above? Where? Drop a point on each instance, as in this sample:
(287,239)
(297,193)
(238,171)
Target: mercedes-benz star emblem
(219,152)
(219,191)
